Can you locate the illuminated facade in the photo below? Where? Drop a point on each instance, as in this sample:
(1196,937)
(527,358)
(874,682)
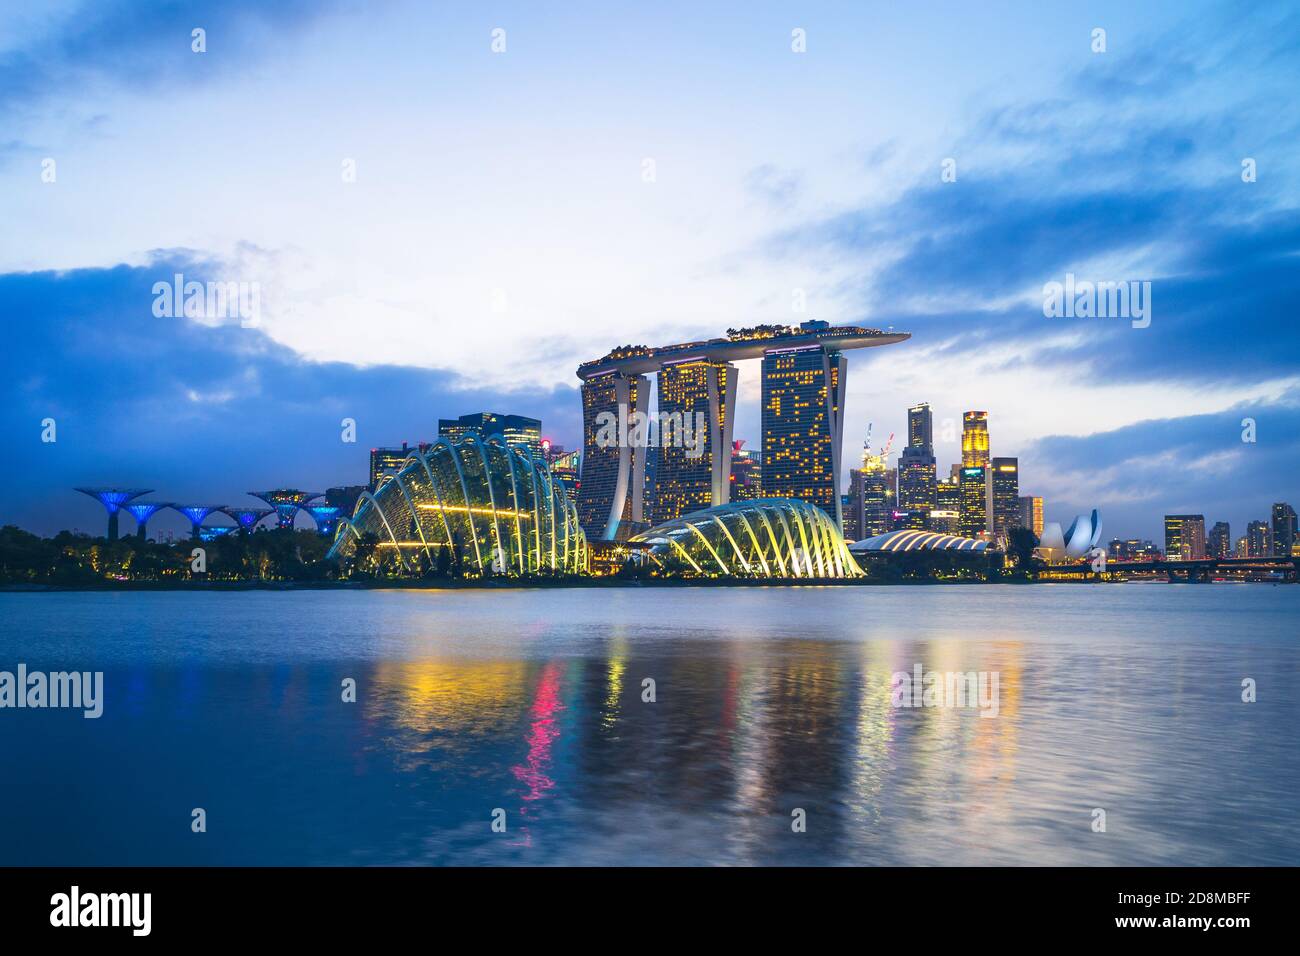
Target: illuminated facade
(1284,529)
(492,508)
(746,472)
(1184,537)
(975,440)
(974,501)
(803,431)
(694,466)
(513,429)
(113,499)
(385,461)
(1031,514)
(1004,496)
(764,538)
(1259,540)
(946,516)
(1220,540)
(612,488)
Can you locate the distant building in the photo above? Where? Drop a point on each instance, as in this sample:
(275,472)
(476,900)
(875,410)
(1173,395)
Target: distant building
(975,440)
(1243,547)
(1284,529)
(1031,514)
(746,472)
(946,516)
(974,501)
(917,480)
(1185,537)
(388,461)
(1259,540)
(1004,496)
(514,430)
(344,498)
(1220,540)
(1133,550)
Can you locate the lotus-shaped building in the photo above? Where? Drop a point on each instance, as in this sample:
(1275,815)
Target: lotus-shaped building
(761,538)
(492,505)
(1081,537)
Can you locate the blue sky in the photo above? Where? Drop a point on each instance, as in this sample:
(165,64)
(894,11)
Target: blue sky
(501,229)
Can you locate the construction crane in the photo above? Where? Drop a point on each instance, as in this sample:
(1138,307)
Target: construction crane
(869,460)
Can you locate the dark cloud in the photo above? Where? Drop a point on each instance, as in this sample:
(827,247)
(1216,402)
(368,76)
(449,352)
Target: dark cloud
(200,412)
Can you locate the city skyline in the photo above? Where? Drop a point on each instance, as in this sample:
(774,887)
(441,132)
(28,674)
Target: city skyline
(388,285)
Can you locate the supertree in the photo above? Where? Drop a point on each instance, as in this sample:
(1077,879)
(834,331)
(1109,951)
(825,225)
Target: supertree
(197,514)
(142,511)
(286,502)
(113,499)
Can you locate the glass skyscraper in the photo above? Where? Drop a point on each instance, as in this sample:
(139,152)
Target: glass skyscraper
(1004,496)
(697,408)
(613,472)
(1184,537)
(514,430)
(1284,529)
(975,439)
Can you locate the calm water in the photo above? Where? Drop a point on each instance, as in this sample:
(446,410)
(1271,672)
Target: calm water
(1123,697)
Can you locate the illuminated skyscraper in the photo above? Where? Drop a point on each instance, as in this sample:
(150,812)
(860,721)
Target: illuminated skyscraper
(613,461)
(1220,540)
(803,432)
(1004,496)
(514,430)
(697,407)
(1184,537)
(388,461)
(1259,540)
(1284,529)
(975,440)
(946,516)
(1031,514)
(916,469)
(974,501)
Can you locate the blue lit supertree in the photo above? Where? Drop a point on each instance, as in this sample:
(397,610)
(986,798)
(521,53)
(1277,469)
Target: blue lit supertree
(287,502)
(142,511)
(327,517)
(197,514)
(113,499)
(247,518)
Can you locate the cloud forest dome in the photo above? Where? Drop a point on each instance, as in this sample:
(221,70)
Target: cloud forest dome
(762,538)
(488,504)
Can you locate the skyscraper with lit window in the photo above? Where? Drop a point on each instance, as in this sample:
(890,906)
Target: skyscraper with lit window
(388,461)
(975,439)
(1259,540)
(1220,540)
(1031,514)
(1004,496)
(514,430)
(1185,537)
(611,491)
(946,516)
(916,469)
(803,394)
(746,472)
(1284,529)
(974,501)
(697,407)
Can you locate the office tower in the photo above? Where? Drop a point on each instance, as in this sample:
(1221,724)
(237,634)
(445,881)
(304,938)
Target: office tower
(514,430)
(1220,540)
(1132,550)
(946,516)
(974,501)
(1184,537)
(565,469)
(612,490)
(697,408)
(1031,514)
(920,427)
(916,469)
(746,472)
(1243,547)
(1259,539)
(1004,496)
(388,461)
(1284,529)
(975,440)
(803,432)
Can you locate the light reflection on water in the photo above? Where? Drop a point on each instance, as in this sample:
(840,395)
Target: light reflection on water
(1125,698)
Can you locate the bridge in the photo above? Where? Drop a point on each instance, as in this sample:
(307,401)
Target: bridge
(1197,571)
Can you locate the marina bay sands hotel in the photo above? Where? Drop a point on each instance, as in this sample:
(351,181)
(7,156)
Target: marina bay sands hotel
(804,373)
